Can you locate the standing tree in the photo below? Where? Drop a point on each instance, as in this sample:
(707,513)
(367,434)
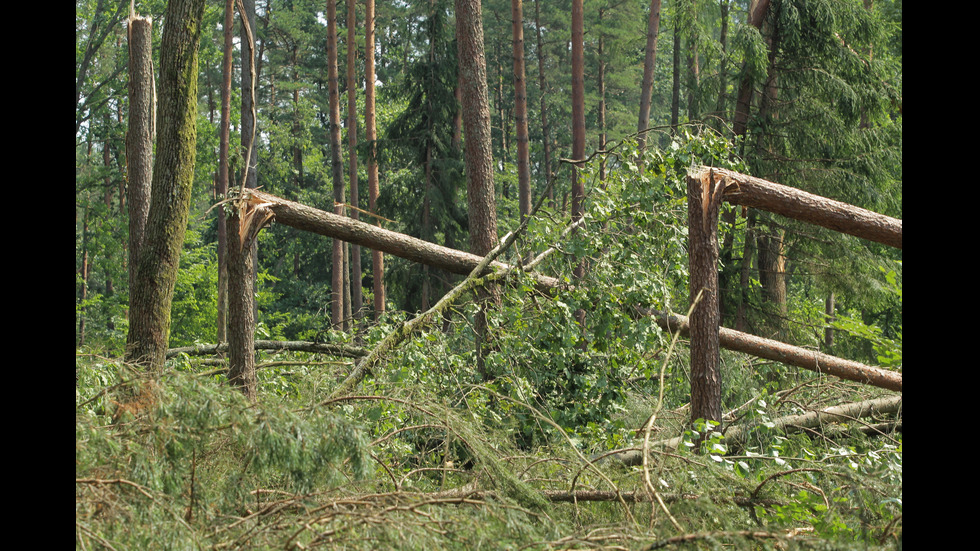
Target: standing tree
(173,177)
(478,150)
(223,169)
(242,252)
(139,139)
(371,134)
(649,64)
(336,165)
(355,250)
(520,110)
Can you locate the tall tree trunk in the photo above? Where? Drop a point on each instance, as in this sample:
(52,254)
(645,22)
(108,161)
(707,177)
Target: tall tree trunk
(139,137)
(757,15)
(675,89)
(649,65)
(578,125)
(83,285)
(243,253)
(371,134)
(478,152)
(520,110)
(357,300)
(224,170)
(602,101)
(721,103)
(173,176)
(336,165)
(544,108)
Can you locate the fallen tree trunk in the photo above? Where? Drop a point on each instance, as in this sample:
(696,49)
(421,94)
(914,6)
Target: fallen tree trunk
(740,189)
(788,354)
(339,350)
(328,224)
(302,217)
(736,435)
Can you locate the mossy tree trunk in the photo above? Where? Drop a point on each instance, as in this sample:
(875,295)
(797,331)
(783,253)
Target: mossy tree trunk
(173,176)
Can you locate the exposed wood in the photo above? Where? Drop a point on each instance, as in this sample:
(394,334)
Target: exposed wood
(741,189)
(789,355)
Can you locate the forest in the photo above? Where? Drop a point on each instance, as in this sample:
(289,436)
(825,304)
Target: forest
(488,274)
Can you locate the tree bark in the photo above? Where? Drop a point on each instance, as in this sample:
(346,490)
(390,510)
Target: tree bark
(302,217)
(520,110)
(371,132)
(769,349)
(173,176)
(578,130)
(478,152)
(336,165)
(748,191)
(649,66)
(544,108)
(703,202)
(139,137)
(224,170)
(757,15)
(357,300)
(242,250)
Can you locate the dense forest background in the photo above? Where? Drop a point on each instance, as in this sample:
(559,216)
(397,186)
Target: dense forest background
(486,428)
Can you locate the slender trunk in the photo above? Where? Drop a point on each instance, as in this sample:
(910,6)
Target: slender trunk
(757,15)
(721,103)
(170,194)
(83,285)
(336,165)
(371,134)
(520,110)
(649,65)
(544,108)
(224,170)
(602,104)
(675,89)
(139,137)
(357,300)
(242,253)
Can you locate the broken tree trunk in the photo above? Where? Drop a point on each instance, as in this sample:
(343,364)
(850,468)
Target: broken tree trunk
(302,217)
(740,189)
(703,202)
(787,354)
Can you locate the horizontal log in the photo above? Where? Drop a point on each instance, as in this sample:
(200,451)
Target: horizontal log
(332,349)
(736,435)
(741,189)
(328,224)
(788,354)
